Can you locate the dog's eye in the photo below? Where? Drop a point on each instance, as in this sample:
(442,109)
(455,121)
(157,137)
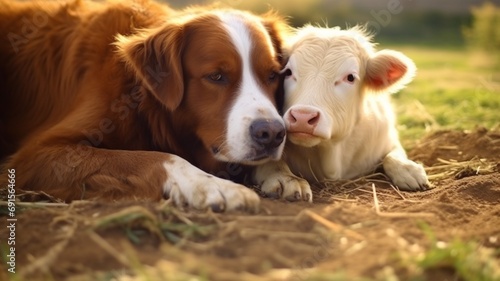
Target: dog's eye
(273,76)
(216,77)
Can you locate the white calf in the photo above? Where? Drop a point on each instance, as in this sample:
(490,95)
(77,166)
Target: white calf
(338,115)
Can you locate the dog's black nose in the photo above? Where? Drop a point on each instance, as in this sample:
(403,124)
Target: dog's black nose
(268,133)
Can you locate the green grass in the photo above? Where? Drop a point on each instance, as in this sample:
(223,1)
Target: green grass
(468,260)
(455,88)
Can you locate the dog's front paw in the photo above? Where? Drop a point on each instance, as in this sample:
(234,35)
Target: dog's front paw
(189,186)
(288,186)
(214,193)
(406,174)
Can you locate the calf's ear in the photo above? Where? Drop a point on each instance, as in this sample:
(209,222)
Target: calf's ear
(155,57)
(389,71)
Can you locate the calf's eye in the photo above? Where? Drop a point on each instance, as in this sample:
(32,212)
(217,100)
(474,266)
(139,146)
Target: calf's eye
(288,72)
(350,78)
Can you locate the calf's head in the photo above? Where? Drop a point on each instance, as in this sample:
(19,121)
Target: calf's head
(330,72)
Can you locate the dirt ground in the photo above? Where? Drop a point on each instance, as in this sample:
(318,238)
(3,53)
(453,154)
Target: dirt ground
(348,231)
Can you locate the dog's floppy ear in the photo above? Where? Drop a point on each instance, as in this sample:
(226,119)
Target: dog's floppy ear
(155,57)
(279,31)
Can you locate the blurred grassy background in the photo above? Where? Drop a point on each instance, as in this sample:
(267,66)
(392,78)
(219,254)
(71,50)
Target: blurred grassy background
(455,45)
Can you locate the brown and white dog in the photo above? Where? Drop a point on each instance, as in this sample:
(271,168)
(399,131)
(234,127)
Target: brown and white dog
(133,100)
(338,114)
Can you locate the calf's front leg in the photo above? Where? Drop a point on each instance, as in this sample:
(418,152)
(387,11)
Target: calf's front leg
(404,173)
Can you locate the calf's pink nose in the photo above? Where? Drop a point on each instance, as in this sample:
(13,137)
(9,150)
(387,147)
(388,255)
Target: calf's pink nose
(302,120)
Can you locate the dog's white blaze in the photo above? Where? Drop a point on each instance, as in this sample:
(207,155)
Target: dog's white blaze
(251,103)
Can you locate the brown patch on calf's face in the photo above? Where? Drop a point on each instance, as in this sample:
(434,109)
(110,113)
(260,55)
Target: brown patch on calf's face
(209,53)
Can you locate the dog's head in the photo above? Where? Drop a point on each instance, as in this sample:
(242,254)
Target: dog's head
(219,69)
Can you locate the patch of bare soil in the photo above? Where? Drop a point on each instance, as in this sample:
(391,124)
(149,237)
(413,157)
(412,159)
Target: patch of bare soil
(363,228)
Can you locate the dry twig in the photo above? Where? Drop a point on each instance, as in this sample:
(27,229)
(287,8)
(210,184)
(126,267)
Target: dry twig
(395,214)
(452,168)
(333,226)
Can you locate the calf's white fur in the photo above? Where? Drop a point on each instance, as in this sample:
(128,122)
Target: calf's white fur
(338,115)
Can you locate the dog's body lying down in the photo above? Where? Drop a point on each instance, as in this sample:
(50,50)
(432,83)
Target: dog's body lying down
(133,100)
(338,115)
